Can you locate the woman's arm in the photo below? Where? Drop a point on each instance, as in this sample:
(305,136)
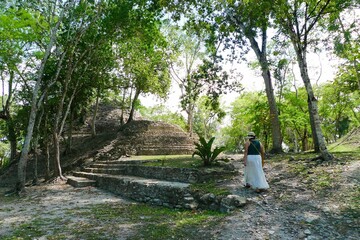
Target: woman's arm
(246,152)
(262,152)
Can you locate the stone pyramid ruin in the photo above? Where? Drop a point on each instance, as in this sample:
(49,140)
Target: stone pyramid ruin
(145,137)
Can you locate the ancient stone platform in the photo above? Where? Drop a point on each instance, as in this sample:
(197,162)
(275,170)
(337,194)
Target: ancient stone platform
(163,186)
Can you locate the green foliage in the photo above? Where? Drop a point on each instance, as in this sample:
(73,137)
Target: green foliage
(4,155)
(205,152)
(161,113)
(248,112)
(295,119)
(338,108)
(208,116)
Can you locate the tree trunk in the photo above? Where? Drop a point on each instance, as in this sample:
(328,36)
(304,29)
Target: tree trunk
(265,72)
(296,145)
(36,160)
(313,109)
(12,139)
(57,166)
(36,148)
(47,159)
(57,133)
(274,116)
(304,141)
(20,184)
(122,120)
(190,119)
(69,134)
(131,115)
(93,121)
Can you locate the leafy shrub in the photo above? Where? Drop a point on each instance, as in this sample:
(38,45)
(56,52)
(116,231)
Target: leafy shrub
(205,152)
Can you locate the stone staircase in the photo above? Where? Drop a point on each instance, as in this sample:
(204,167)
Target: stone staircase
(132,179)
(157,185)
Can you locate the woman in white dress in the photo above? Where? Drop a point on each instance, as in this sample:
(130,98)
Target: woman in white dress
(254,162)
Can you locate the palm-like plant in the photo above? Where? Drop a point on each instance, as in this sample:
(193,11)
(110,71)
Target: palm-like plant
(204,150)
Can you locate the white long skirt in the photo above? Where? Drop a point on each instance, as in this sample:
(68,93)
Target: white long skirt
(254,174)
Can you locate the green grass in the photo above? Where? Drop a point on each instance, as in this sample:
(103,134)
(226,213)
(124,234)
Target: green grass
(344,148)
(31,230)
(348,143)
(352,206)
(105,221)
(8,198)
(164,223)
(210,187)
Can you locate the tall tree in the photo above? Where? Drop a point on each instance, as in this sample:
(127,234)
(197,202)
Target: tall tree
(235,23)
(246,24)
(52,36)
(297,20)
(190,51)
(143,60)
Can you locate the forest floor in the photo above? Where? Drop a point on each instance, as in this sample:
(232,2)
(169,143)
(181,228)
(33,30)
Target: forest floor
(307,199)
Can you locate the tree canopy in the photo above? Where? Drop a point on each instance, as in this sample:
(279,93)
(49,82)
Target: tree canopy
(59,59)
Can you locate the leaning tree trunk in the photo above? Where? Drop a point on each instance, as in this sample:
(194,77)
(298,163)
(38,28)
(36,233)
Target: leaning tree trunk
(313,127)
(131,115)
(265,72)
(313,108)
(274,116)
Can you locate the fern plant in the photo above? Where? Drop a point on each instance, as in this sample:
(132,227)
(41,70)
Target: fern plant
(204,150)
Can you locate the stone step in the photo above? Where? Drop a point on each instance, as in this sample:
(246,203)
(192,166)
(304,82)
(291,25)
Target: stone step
(79,182)
(153,191)
(185,175)
(123,161)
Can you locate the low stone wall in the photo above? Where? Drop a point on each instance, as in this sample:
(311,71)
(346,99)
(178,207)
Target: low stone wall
(164,193)
(186,175)
(157,192)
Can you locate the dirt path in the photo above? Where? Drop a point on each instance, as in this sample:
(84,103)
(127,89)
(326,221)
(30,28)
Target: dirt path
(289,210)
(52,202)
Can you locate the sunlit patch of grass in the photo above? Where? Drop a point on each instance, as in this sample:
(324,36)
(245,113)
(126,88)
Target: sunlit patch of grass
(30,230)
(344,148)
(353,205)
(164,223)
(343,157)
(152,222)
(156,222)
(322,181)
(299,169)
